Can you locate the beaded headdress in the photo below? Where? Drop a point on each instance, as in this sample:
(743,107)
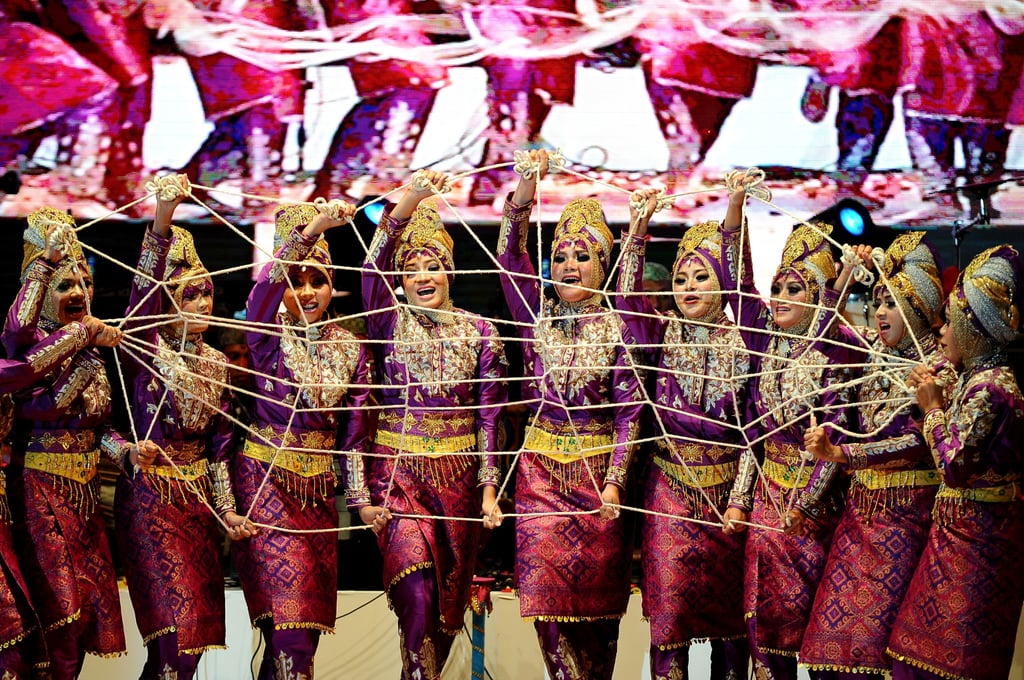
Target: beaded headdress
(291,217)
(67,241)
(184,268)
(984,308)
(808,255)
(911,268)
(583,219)
(704,242)
(426,233)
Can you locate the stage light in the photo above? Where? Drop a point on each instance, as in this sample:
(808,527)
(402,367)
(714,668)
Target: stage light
(851,222)
(369,211)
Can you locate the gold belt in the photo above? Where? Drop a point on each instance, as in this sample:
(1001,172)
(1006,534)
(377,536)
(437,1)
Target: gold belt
(80,467)
(566,448)
(188,472)
(786,475)
(881,479)
(80,441)
(187,451)
(698,476)
(1004,493)
(301,463)
(435,447)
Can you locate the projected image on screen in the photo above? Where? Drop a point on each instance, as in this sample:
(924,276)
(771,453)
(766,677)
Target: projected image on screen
(912,115)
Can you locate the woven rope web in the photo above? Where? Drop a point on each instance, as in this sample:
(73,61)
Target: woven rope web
(894,368)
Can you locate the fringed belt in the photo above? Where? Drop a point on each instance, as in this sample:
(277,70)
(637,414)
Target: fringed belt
(1004,493)
(302,464)
(698,476)
(568,448)
(433,447)
(188,472)
(78,467)
(786,475)
(882,479)
(61,441)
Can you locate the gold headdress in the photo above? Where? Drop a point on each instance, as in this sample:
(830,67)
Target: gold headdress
(299,215)
(184,268)
(67,243)
(913,274)
(425,232)
(809,255)
(583,218)
(984,308)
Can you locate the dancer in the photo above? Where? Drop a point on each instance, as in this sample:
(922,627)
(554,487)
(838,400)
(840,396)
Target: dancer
(437,437)
(893,482)
(169,538)
(960,615)
(692,573)
(309,370)
(798,356)
(20,632)
(61,424)
(573,549)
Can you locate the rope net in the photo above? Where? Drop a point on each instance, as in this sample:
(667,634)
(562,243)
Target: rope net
(800,406)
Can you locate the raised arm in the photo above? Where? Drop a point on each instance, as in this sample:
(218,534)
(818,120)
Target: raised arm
(643,325)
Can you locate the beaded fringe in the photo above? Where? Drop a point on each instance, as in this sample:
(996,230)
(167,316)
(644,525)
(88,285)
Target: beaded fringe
(292,625)
(874,501)
(572,476)
(402,574)
(919,664)
(306,489)
(719,494)
(168,488)
(438,471)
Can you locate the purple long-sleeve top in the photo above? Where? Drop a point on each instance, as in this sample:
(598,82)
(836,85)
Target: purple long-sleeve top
(446,365)
(76,395)
(193,373)
(580,378)
(702,371)
(791,377)
(976,441)
(888,411)
(305,383)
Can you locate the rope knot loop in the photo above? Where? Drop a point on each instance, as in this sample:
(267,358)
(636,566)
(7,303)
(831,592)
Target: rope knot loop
(755,186)
(169,187)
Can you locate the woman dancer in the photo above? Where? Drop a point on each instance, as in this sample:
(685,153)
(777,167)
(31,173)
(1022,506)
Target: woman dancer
(893,478)
(309,370)
(573,549)
(444,375)
(61,424)
(959,617)
(692,573)
(20,646)
(169,539)
(798,374)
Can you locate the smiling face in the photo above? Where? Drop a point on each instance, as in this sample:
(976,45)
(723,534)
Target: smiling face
(888,319)
(196,301)
(312,294)
(69,295)
(789,300)
(425,281)
(572,270)
(696,290)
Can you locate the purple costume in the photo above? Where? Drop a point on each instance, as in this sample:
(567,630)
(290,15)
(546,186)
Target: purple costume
(61,424)
(959,617)
(572,570)
(692,573)
(19,623)
(305,376)
(893,482)
(782,571)
(168,535)
(443,375)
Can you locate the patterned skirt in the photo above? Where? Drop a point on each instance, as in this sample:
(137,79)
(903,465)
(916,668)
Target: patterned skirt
(170,545)
(568,567)
(874,551)
(781,575)
(62,547)
(959,618)
(289,578)
(692,573)
(17,618)
(442,487)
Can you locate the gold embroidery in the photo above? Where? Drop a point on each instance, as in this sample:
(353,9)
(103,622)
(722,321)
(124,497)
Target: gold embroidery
(322,371)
